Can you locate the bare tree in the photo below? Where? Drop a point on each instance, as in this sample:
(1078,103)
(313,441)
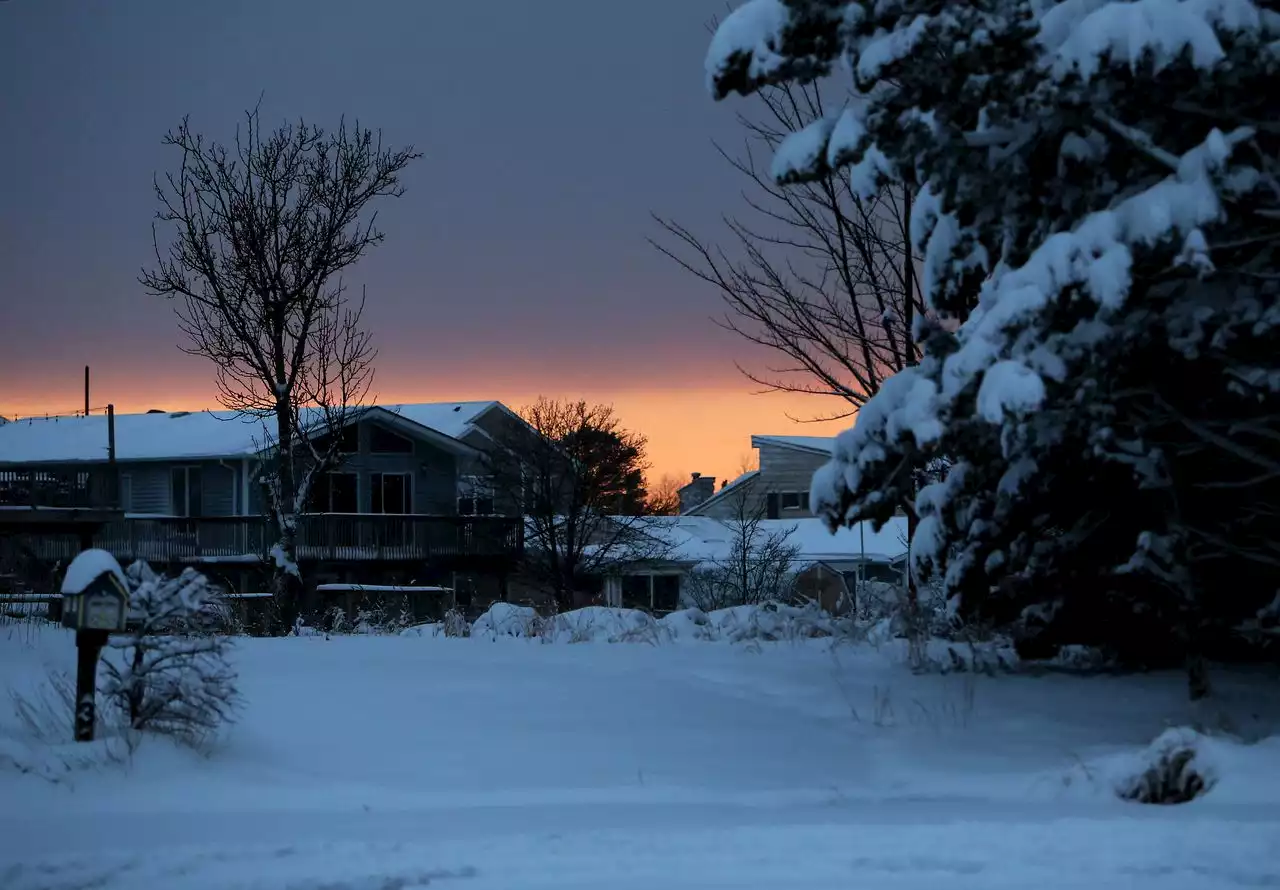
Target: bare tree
(821,276)
(577,476)
(663,498)
(262,230)
(760,564)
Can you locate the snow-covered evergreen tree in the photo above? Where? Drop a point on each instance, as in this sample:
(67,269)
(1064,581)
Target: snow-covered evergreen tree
(1098,213)
(169,673)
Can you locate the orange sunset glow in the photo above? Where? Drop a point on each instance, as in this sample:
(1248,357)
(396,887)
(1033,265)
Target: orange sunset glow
(689,429)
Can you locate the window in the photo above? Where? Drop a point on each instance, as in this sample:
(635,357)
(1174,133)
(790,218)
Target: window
(475,496)
(126,492)
(383,441)
(184,492)
(334,493)
(791,500)
(391,493)
(666,593)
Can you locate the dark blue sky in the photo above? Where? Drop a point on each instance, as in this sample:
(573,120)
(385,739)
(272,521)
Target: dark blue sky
(517,261)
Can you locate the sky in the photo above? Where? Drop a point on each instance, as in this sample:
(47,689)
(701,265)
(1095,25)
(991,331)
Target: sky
(516,264)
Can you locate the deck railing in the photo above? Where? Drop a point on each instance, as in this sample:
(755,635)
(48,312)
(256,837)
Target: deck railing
(328,537)
(62,488)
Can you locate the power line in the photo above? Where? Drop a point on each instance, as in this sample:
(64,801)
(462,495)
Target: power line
(55,415)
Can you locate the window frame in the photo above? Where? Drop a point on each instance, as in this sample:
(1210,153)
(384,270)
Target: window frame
(328,506)
(377,493)
(184,510)
(125,492)
(478,489)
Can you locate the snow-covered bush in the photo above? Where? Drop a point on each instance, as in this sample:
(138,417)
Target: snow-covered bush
(335,620)
(688,624)
(606,624)
(506,620)
(771,622)
(377,615)
(455,624)
(169,674)
(1174,769)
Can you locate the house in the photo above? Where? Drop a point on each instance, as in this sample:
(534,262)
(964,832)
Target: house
(779,487)
(408,502)
(661,582)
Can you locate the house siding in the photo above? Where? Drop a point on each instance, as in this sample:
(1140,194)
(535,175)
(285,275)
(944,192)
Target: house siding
(218,489)
(434,472)
(149,484)
(151,490)
(744,500)
(492,427)
(781,470)
(789,469)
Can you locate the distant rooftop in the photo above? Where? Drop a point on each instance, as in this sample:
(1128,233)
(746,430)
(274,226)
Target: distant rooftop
(184,435)
(817,444)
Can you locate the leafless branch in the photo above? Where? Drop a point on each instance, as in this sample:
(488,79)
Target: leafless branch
(822,278)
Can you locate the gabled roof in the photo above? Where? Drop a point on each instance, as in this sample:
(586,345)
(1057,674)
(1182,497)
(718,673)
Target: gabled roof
(196,435)
(454,419)
(813,444)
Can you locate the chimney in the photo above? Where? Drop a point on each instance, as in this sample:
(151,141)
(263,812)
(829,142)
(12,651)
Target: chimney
(699,489)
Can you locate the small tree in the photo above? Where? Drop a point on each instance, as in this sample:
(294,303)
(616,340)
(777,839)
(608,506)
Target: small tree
(262,230)
(577,476)
(169,674)
(760,564)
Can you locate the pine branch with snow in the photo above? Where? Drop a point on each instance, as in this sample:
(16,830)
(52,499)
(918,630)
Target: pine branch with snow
(1099,212)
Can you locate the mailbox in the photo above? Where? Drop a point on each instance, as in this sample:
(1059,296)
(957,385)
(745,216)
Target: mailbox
(95,594)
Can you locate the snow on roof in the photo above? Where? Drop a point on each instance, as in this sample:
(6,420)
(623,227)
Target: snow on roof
(454,419)
(822,444)
(698,539)
(184,435)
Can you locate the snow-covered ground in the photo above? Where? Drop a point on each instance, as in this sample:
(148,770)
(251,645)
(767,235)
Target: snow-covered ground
(393,762)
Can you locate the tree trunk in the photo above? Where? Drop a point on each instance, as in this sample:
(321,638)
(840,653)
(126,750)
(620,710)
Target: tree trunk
(1198,676)
(915,626)
(286,580)
(137,688)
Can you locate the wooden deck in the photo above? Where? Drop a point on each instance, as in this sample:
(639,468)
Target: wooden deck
(321,538)
(94,489)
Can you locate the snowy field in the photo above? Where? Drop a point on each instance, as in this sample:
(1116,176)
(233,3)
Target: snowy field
(395,762)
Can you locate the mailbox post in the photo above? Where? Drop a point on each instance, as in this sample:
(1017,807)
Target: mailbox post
(95,604)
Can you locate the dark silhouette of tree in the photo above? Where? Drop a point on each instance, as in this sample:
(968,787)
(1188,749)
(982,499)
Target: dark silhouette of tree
(261,231)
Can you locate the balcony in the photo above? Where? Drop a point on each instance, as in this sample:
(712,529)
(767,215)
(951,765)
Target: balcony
(59,488)
(326,537)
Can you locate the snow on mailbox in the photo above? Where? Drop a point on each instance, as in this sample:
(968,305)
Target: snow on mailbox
(95,593)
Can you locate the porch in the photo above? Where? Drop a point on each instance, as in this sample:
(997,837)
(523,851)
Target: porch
(322,537)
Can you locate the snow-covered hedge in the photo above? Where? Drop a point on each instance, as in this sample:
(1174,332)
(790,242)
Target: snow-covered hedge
(766,622)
